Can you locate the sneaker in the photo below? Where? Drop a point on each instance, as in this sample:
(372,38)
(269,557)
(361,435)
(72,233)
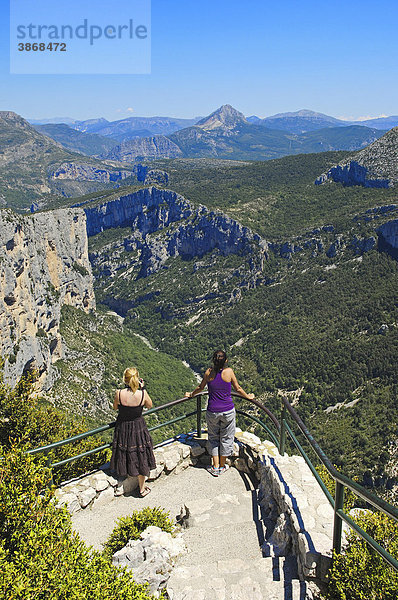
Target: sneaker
(222,470)
(213,471)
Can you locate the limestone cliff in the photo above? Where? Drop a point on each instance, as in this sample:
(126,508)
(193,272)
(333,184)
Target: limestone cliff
(88,172)
(43,265)
(374,166)
(158,146)
(161,225)
(33,166)
(152,210)
(388,238)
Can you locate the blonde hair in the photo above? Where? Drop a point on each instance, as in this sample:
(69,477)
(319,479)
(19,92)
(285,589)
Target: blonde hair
(130,378)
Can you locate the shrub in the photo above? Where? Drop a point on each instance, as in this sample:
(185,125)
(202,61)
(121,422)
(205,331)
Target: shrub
(40,556)
(360,573)
(24,420)
(130,528)
(349,497)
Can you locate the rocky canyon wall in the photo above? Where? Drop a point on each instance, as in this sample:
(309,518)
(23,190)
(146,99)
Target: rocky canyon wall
(43,265)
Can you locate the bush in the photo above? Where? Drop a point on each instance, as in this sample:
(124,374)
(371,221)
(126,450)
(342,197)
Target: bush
(29,423)
(40,556)
(130,528)
(360,573)
(349,497)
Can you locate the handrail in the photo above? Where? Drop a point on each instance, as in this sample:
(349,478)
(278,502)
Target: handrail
(282,427)
(377,502)
(341,482)
(81,436)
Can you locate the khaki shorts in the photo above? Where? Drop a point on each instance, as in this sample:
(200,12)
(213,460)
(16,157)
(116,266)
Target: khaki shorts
(221,432)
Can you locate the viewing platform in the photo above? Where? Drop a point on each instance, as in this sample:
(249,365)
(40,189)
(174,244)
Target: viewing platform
(261,530)
(266,528)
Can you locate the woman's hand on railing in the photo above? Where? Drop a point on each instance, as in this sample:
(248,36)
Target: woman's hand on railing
(188,395)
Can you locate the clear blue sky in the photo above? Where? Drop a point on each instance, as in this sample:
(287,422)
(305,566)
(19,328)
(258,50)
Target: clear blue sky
(262,57)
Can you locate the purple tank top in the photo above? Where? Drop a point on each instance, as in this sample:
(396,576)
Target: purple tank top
(220,399)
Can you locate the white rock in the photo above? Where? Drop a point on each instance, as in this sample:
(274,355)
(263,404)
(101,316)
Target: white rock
(197,451)
(86,497)
(325,511)
(112,481)
(184,450)
(171,460)
(99,481)
(249,438)
(159,456)
(105,497)
(154,473)
(70,501)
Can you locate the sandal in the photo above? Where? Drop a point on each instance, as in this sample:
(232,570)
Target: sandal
(144,492)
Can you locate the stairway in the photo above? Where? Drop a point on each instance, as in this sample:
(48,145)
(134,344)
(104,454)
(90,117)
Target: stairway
(223,531)
(224,534)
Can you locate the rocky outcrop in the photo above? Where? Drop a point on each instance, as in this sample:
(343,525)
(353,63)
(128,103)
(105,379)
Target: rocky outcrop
(163,225)
(375,166)
(388,238)
(134,149)
(87,172)
(151,558)
(151,176)
(147,211)
(43,265)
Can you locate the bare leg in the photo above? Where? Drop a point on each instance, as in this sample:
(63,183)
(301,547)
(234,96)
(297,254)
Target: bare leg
(141,483)
(216,461)
(222,461)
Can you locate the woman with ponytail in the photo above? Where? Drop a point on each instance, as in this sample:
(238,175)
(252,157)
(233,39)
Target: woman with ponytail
(132,448)
(220,414)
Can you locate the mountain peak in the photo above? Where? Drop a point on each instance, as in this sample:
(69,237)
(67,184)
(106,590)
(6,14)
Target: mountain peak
(226,117)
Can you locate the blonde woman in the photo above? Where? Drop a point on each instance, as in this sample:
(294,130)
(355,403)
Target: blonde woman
(132,448)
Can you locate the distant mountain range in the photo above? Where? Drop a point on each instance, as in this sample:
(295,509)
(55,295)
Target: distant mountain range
(33,166)
(124,129)
(300,121)
(226,133)
(55,159)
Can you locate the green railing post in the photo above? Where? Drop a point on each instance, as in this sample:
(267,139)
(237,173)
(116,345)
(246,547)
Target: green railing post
(338,523)
(199,416)
(282,437)
(48,465)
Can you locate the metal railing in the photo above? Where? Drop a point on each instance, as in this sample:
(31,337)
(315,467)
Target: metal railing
(342,482)
(282,429)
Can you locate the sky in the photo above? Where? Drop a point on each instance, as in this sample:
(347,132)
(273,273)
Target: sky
(260,56)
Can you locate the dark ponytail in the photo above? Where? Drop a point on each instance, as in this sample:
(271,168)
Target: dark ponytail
(219,360)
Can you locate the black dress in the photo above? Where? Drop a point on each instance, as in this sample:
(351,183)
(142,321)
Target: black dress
(132,448)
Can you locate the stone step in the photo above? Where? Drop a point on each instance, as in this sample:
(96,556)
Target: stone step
(224,508)
(228,541)
(237,579)
(220,527)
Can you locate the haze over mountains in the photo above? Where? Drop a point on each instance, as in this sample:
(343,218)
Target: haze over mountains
(296,122)
(225,133)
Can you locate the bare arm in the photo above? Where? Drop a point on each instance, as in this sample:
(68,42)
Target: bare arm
(147,400)
(116,401)
(239,389)
(200,387)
